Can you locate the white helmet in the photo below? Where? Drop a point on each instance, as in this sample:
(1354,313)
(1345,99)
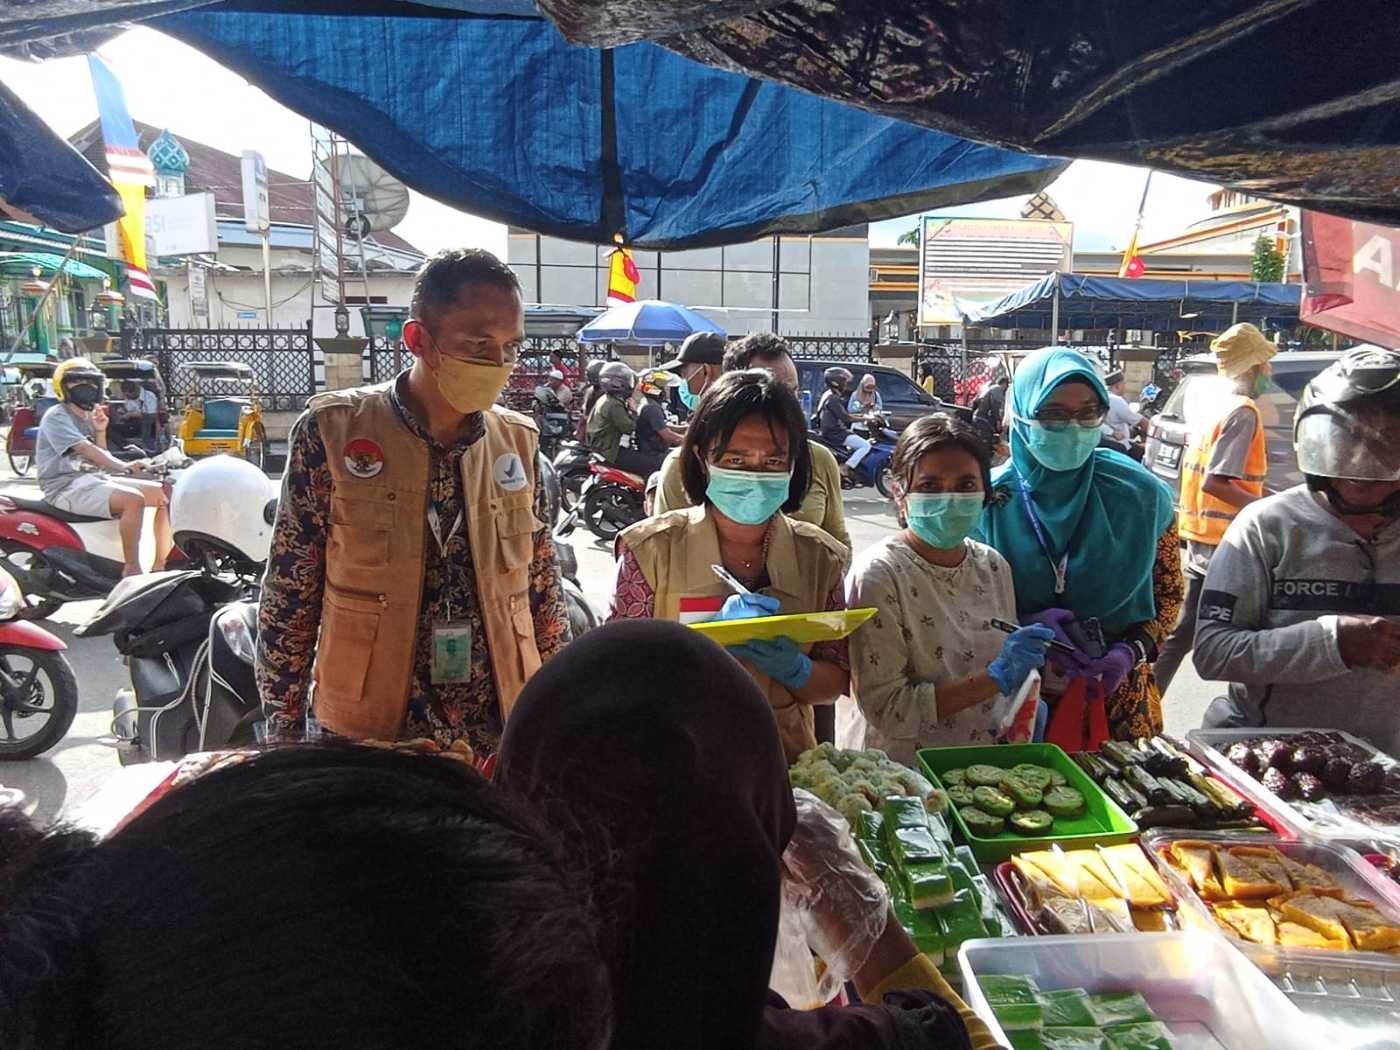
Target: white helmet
(224,506)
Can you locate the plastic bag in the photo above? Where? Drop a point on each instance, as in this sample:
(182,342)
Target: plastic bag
(834,907)
(1013,717)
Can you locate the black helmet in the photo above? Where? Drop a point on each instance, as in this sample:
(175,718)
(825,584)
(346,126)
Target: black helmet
(837,378)
(1348,420)
(617,378)
(79,381)
(594,367)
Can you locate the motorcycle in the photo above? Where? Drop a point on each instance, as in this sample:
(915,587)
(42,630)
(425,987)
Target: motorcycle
(874,468)
(572,465)
(57,557)
(611,500)
(38,690)
(188,637)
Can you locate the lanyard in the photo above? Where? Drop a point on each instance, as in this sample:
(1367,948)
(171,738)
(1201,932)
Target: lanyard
(1058,568)
(435,526)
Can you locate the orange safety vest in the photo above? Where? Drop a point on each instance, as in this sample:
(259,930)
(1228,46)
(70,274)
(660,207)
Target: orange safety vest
(374,557)
(1204,518)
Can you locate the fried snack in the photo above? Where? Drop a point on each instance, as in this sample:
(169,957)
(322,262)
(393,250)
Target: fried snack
(1242,879)
(1253,922)
(1197,860)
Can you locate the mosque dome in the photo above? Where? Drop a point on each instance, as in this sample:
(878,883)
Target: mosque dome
(167,156)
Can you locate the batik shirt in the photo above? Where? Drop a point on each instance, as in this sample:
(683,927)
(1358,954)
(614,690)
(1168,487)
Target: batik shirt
(291,597)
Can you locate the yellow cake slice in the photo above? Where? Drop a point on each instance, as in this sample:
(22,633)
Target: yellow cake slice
(1267,861)
(1145,887)
(1253,922)
(1072,879)
(1295,935)
(1308,876)
(1313,911)
(1242,879)
(1196,860)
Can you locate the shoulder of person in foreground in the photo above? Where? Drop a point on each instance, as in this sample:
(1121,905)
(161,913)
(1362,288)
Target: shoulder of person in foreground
(872,562)
(670,492)
(672,520)
(513,418)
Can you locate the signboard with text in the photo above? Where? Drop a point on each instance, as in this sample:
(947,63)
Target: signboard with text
(182,225)
(1351,278)
(199,292)
(256,210)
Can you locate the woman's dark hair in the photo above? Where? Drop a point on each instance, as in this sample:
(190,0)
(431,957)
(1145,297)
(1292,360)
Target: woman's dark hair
(310,897)
(930,434)
(728,402)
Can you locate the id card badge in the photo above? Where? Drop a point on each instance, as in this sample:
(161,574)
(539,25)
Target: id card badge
(452,653)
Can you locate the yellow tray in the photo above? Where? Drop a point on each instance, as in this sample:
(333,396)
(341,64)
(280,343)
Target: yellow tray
(800,627)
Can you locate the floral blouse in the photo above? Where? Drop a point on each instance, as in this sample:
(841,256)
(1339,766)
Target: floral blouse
(290,613)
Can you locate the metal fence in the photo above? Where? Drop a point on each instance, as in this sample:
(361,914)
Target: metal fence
(284,360)
(855,348)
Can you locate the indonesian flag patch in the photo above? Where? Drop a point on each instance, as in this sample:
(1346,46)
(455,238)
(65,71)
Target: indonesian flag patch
(698,610)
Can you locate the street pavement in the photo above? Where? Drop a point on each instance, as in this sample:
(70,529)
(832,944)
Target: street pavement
(69,774)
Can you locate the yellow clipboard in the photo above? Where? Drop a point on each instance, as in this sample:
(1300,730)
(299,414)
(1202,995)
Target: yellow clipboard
(800,627)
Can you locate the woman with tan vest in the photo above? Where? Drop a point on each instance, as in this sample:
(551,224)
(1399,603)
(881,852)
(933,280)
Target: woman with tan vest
(745,461)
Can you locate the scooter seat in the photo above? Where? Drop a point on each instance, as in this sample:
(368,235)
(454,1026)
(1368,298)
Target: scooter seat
(38,506)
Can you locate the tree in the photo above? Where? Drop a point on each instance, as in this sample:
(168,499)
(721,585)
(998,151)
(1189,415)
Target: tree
(909,237)
(1268,261)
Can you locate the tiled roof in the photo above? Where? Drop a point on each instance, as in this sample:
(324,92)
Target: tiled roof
(214,171)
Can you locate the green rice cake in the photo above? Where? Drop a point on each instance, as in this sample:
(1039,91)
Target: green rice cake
(1110,1008)
(1068,1007)
(982,775)
(993,800)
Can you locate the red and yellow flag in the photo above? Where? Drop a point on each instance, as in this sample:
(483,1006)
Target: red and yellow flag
(623,276)
(1132,265)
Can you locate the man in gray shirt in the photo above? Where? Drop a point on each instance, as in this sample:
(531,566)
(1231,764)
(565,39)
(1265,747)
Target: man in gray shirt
(1300,610)
(72,461)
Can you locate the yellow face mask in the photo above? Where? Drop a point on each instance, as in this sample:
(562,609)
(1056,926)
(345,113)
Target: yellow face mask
(468,386)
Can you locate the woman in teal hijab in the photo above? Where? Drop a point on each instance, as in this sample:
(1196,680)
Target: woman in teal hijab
(1089,533)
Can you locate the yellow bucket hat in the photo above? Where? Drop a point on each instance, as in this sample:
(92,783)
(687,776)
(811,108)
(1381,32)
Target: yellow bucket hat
(1239,348)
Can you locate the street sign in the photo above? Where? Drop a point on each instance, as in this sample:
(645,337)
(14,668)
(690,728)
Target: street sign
(255,203)
(199,293)
(247,315)
(182,225)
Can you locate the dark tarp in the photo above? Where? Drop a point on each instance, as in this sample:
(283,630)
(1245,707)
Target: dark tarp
(1149,305)
(496,114)
(1293,100)
(46,181)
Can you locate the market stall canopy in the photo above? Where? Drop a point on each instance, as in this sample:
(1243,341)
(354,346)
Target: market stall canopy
(21,264)
(648,322)
(46,181)
(1149,305)
(1293,100)
(494,113)
(1351,273)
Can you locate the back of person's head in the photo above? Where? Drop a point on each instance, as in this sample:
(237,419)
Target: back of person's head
(310,898)
(755,350)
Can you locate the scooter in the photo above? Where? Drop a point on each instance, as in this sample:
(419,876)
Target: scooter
(874,467)
(572,464)
(57,557)
(611,500)
(38,690)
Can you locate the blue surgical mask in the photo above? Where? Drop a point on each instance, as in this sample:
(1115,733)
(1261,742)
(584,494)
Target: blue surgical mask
(1067,449)
(943,519)
(689,398)
(749,497)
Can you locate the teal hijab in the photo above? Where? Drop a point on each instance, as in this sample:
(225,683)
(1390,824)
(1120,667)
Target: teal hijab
(1107,515)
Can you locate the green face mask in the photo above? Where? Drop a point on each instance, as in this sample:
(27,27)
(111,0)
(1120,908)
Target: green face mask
(749,497)
(943,519)
(1067,449)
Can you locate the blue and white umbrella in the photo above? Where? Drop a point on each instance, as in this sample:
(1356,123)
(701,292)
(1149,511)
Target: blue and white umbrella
(647,322)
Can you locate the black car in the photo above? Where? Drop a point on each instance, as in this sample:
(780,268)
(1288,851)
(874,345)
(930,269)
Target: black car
(1195,404)
(902,398)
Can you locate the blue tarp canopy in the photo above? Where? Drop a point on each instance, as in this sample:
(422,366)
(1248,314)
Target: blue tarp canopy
(46,181)
(1150,305)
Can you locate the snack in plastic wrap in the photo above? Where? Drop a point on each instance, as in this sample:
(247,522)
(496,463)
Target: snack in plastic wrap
(855,782)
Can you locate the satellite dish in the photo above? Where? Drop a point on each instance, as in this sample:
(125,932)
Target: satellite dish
(370,197)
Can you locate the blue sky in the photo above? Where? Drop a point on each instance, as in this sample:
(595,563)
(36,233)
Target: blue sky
(230,114)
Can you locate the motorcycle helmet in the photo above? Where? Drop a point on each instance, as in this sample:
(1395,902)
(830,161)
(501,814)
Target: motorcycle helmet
(654,383)
(837,378)
(79,382)
(617,378)
(224,507)
(1348,422)
(594,367)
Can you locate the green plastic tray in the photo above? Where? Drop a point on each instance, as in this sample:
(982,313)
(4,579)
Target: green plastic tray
(1102,820)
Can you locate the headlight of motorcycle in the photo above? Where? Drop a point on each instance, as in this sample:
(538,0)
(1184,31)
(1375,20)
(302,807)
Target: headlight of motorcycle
(237,636)
(11,601)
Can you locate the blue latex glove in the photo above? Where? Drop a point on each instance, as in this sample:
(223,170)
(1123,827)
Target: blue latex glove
(748,606)
(1021,653)
(1114,666)
(780,659)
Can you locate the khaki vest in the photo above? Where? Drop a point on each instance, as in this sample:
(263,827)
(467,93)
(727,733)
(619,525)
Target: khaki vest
(374,558)
(675,552)
(1204,518)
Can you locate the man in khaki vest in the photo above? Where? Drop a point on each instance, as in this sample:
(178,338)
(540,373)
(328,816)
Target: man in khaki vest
(412,587)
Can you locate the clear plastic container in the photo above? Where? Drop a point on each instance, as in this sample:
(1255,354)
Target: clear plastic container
(1198,985)
(1319,819)
(1358,878)
(1354,1000)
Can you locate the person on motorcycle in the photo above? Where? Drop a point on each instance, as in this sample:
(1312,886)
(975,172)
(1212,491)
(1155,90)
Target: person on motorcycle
(989,409)
(613,420)
(1222,473)
(591,393)
(654,432)
(75,468)
(411,575)
(834,419)
(553,393)
(1123,421)
(866,397)
(1300,609)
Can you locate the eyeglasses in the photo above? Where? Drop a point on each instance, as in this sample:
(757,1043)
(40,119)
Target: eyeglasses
(1057,419)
